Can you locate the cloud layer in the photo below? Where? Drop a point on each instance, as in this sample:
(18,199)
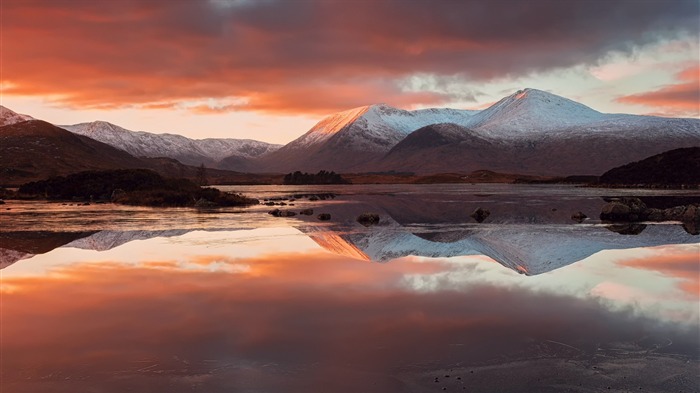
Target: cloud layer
(308,57)
(679,99)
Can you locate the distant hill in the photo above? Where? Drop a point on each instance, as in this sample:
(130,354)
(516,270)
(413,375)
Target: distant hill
(223,153)
(674,167)
(35,149)
(8,117)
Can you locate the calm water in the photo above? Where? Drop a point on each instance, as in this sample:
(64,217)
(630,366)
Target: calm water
(107,298)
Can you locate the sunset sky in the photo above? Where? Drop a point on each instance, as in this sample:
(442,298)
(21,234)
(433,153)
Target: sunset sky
(269,70)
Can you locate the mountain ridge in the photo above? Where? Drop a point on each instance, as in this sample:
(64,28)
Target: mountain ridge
(208,151)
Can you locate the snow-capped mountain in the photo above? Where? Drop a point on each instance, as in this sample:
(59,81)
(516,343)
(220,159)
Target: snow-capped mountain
(353,137)
(528,132)
(8,117)
(531,111)
(188,151)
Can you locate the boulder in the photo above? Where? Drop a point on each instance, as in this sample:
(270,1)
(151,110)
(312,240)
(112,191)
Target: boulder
(116,194)
(368,219)
(480,214)
(578,217)
(627,229)
(324,216)
(307,212)
(616,211)
(201,202)
(691,214)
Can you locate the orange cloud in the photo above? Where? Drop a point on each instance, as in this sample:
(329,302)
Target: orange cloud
(681,99)
(682,265)
(109,326)
(310,57)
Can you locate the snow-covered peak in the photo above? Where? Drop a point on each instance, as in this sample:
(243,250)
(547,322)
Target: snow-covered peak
(529,111)
(7,117)
(381,123)
(189,151)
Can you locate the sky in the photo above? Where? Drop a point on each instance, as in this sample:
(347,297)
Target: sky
(269,70)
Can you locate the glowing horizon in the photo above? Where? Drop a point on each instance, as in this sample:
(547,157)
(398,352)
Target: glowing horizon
(271,70)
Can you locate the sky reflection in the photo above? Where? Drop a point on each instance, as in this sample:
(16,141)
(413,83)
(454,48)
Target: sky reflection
(276,313)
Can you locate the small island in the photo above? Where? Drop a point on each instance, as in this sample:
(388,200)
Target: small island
(322,177)
(138,187)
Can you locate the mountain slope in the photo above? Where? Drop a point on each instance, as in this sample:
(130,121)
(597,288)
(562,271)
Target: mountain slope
(36,149)
(538,133)
(530,112)
(8,117)
(679,166)
(188,151)
(580,152)
(352,138)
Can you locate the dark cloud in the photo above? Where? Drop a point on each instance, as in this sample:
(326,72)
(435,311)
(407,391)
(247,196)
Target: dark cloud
(116,53)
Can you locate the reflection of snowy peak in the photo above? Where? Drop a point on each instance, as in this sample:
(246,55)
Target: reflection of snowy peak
(527,244)
(188,151)
(8,257)
(106,240)
(533,250)
(8,117)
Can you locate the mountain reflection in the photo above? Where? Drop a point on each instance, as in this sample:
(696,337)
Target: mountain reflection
(268,324)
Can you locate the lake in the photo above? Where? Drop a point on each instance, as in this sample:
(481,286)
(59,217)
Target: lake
(109,298)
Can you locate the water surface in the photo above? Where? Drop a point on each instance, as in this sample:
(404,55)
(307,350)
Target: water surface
(110,298)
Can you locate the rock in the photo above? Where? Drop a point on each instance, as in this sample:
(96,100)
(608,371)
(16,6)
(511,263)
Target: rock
(655,214)
(368,219)
(281,213)
(324,216)
(635,204)
(307,212)
(691,214)
(201,202)
(615,211)
(269,203)
(313,198)
(692,228)
(578,217)
(627,229)
(117,193)
(480,214)
(2,202)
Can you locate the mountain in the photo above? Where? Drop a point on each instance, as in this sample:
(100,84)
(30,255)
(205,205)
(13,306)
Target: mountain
(531,112)
(529,132)
(35,149)
(8,117)
(538,133)
(350,139)
(210,152)
(675,167)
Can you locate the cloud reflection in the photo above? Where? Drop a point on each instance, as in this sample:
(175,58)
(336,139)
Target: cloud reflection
(286,322)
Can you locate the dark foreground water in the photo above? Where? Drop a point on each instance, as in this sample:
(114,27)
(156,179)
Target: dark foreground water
(106,298)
